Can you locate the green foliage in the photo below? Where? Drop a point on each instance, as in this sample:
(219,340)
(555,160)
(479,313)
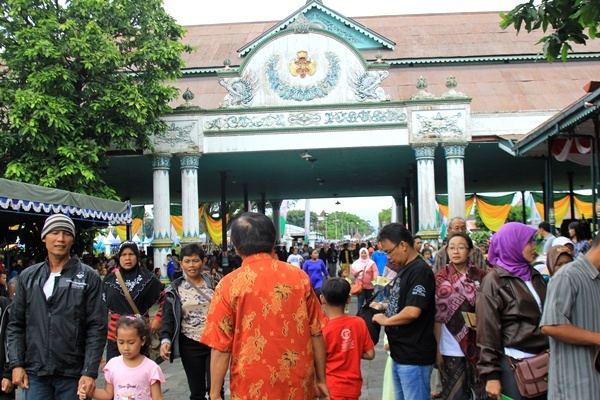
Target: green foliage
(480,237)
(335,226)
(568,21)
(384,217)
(296,217)
(77,78)
(516,214)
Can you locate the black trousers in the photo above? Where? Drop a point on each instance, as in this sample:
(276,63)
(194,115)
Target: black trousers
(195,357)
(112,350)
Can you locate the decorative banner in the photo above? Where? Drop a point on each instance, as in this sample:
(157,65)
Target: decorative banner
(584,205)
(137,216)
(494,210)
(561,205)
(442,201)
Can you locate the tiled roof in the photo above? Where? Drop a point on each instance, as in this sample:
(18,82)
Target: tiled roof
(416,36)
(498,86)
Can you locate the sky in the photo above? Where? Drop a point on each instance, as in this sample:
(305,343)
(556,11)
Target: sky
(198,12)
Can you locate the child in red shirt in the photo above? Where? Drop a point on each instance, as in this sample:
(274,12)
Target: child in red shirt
(347,341)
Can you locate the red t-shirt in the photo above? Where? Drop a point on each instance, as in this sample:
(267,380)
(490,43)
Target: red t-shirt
(346,339)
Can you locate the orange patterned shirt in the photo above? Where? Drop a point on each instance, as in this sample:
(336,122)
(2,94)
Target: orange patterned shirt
(264,314)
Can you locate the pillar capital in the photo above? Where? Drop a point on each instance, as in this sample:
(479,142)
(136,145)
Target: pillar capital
(455,150)
(276,203)
(424,151)
(161,161)
(189,160)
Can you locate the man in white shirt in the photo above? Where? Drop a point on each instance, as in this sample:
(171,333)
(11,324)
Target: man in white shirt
(295,259)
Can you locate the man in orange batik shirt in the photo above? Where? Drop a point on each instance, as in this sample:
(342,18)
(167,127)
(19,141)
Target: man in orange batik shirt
(266,319)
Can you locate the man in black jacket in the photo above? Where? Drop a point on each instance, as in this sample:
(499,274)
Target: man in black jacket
(58,323)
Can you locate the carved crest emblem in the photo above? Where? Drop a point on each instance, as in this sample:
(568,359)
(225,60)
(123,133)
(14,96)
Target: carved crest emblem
(302,65)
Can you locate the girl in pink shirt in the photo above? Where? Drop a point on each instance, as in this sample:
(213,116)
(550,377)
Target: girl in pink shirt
(131,376)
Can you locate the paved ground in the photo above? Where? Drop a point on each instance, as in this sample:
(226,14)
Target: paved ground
(176,387)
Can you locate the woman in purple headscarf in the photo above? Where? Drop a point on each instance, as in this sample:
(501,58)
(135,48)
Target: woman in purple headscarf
(509,308)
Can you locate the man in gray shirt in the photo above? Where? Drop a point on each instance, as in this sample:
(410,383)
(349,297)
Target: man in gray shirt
(544,230)
(570,319)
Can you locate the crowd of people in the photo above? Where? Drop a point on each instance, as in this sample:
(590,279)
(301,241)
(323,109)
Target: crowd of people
(277,320)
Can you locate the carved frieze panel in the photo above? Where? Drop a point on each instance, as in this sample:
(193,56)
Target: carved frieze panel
(439,123)
(314,118)
(180,136)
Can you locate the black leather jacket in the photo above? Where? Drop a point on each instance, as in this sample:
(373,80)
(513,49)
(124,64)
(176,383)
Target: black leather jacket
(65,334)
(507,316)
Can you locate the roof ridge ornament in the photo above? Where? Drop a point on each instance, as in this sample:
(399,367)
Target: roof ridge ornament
(188,96)
(423,94)
(452,93)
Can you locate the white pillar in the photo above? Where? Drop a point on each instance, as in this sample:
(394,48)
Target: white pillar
(306,220)
(455,153)
(276,204)
(162,243)
(189,198)
(398,209)
(426,182)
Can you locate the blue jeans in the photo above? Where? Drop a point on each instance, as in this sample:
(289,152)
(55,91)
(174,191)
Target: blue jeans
(363,297)
(411,382)
(51,388)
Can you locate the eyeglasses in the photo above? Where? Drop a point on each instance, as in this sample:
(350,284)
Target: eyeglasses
(388,252)
(459,248)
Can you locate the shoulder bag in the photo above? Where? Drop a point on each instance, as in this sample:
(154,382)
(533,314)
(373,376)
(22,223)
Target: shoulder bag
(356,287)
(154,348)
(531,374)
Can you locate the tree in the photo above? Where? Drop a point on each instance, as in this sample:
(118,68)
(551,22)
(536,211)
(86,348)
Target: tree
(569,19)
(78,77)
(385,216)
(296,217)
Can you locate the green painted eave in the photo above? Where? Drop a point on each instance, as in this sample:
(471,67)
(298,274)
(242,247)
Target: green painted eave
(316,4)
(561,122)
(409,62)
(485,59)
(294,108)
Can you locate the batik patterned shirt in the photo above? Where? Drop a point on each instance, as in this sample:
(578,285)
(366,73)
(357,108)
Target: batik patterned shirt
(265,314)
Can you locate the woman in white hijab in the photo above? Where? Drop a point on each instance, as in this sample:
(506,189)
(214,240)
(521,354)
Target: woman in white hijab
(365,270)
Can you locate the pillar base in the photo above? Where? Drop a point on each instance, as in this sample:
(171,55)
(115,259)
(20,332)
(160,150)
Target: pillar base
(429,234)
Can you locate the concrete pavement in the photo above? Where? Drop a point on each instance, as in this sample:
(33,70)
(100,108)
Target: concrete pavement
(176,386)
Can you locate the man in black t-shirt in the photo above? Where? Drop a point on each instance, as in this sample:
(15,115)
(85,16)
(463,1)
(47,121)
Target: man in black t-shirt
(409,316)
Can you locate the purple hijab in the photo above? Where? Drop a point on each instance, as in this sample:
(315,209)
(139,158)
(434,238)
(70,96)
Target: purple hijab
(506,249)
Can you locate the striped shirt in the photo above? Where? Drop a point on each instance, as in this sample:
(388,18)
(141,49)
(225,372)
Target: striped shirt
(573,298)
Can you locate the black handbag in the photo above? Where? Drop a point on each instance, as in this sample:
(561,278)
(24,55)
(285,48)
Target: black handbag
(367,313)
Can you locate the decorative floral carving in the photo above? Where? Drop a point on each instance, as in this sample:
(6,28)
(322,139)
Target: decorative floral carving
(438,125)
(424,152)
(304,119)
(304,93)
(301,24)
(176,134)
(241,90)
(233,122)
(333,28)
(161,161)
(364,116)
(366,85)
(189,161)
(455,150)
